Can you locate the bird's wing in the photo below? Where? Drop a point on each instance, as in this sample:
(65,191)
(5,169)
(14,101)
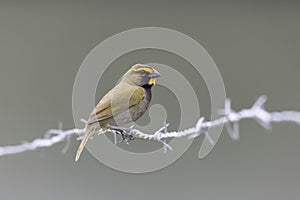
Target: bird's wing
(117,100)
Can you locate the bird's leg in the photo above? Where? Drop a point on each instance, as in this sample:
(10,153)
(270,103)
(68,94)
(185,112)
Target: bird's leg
(124,132)
(118,128)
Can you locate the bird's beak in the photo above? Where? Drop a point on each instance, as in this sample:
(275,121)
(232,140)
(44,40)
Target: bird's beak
(154,74)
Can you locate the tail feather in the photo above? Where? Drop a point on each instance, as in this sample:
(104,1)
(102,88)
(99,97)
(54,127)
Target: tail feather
(89,133)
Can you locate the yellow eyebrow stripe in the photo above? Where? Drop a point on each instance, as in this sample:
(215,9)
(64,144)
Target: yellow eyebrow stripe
(147,69)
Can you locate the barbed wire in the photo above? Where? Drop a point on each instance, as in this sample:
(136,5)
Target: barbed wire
(229,117)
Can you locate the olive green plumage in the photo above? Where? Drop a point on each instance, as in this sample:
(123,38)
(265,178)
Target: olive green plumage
(124,103)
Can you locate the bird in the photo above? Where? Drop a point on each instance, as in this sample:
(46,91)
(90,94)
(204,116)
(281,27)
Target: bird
(123,104)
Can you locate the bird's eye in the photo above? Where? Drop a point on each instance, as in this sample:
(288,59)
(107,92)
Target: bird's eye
(142,71)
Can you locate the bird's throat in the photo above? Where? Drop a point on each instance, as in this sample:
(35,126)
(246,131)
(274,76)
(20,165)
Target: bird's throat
(152,81)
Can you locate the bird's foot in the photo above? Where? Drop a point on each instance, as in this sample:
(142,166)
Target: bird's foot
(124,132)
(126,137)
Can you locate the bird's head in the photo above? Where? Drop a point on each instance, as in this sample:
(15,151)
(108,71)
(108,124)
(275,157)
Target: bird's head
(141,75)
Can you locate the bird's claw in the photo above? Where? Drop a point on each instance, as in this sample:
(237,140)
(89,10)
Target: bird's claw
(126,137)
(124,132)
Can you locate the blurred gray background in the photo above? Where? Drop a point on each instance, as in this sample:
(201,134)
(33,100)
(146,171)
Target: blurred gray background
(255,44)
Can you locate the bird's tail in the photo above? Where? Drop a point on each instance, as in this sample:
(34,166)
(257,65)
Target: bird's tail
(89,133)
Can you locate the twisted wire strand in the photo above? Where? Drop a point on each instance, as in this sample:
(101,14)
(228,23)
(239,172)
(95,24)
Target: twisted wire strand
(229,118)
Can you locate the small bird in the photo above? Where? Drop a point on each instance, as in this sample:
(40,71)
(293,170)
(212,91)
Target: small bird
(123,104)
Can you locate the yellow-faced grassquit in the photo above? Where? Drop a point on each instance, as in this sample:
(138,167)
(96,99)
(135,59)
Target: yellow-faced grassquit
(124,103)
